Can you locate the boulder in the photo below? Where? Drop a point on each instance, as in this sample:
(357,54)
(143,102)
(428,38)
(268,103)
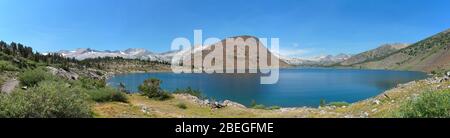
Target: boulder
(447,74)
(377,102)
(216,105)
(233,104)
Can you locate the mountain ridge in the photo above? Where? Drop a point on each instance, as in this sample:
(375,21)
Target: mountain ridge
(373,54)
(431,54)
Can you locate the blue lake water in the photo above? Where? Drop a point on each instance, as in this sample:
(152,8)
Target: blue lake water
(296,87)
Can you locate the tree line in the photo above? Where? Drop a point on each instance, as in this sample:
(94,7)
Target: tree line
(19,50)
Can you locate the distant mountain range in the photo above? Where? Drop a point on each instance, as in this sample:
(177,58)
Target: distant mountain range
(324,60)
(131,53)
(140,53)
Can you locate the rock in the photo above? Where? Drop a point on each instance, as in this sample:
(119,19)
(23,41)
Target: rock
(348,116)
(447,74)
(364,115)
(377,102)
(445,79)
(193,99)
(9,86)
(216,105)
(287,109)
(233,104)
(144,109)
(374,110)
(63,73)
(206,102)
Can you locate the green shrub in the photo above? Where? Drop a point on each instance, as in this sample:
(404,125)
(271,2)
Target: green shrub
(107,95)
(274,107)
(254,105)
(151,88)
(259,106)
(181,106)
(92,83)
(48,99)
(34,76)
(338,104)
(190,91)
(428,105)
(322,103)
(7,66)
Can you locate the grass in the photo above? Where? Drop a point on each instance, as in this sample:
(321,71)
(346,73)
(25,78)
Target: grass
(338,104)
(181,106)
(7,66)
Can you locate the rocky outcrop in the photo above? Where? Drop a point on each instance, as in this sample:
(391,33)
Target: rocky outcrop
(75,74)
(63,73)
(212,104)
(233,104)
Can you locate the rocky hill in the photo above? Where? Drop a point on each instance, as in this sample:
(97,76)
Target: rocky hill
(374,54)
(241,52)
(430,55)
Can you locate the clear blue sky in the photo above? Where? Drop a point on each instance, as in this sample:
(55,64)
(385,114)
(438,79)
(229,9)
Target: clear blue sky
(305,27)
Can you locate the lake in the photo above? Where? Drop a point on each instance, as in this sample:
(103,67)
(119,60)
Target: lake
(296,86)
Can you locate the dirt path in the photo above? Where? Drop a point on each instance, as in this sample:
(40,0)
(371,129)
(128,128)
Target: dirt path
(9,86)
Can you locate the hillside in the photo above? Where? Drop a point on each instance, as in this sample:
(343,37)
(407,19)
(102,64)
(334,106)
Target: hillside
(429,55)
(374,54)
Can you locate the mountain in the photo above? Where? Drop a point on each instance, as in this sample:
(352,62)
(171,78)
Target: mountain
(374,54)
(240,53)
(430,54)
(131,53)
(324,60)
